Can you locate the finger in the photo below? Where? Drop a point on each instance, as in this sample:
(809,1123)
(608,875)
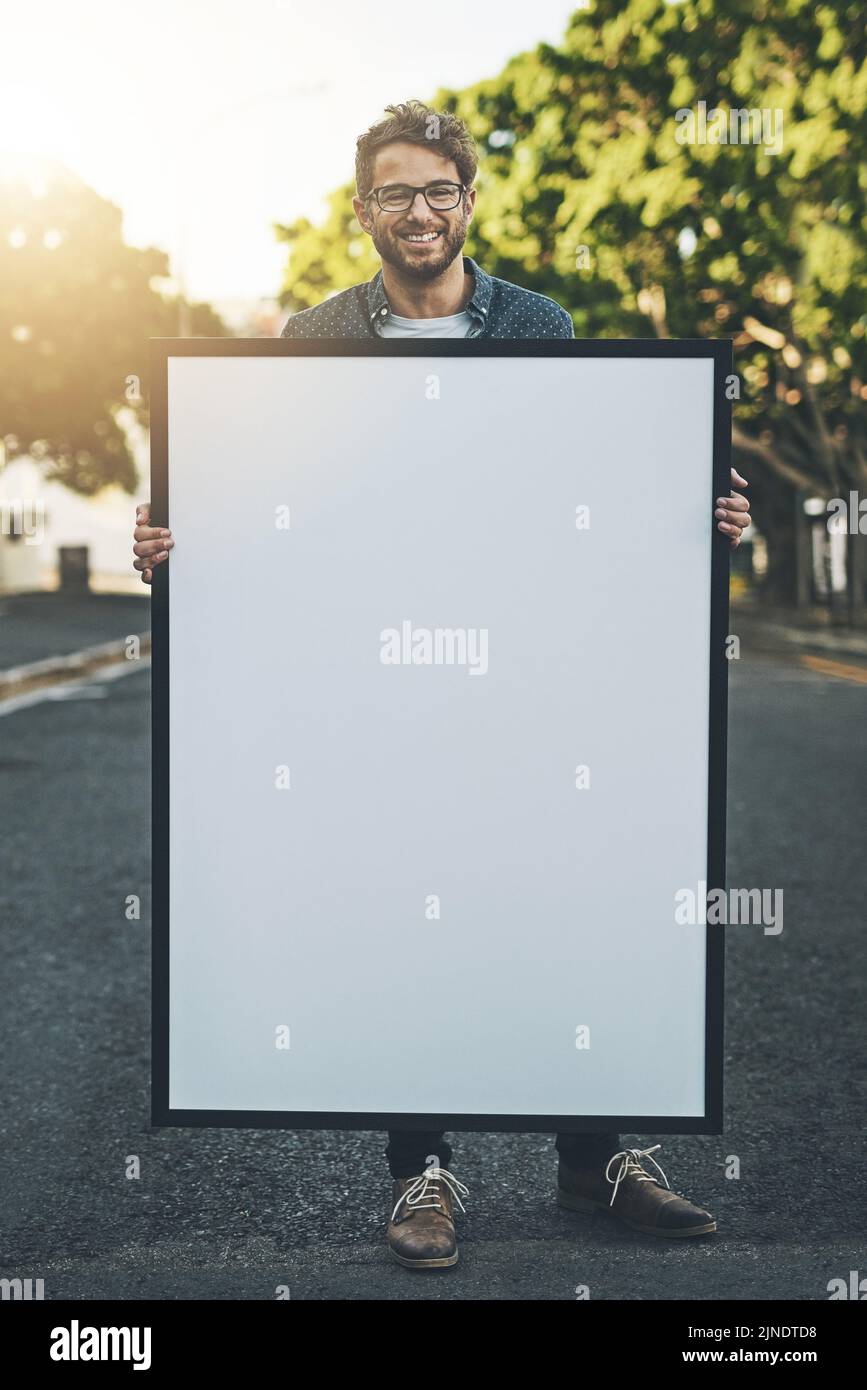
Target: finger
(737,480)
(735,541)
(737,519)
(148,533)
(147,576)
(728,530)
(143,514)
(733,504)
(143,548)
(149,561)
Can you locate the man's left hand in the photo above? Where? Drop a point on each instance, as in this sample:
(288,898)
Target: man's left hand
(733,512)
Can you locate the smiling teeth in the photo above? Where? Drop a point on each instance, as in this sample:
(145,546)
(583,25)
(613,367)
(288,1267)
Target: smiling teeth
(428,236)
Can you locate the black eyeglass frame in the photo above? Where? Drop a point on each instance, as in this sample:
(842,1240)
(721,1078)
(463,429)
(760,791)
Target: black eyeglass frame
(418,188)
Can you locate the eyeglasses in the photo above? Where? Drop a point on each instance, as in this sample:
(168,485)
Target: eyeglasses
(397,197)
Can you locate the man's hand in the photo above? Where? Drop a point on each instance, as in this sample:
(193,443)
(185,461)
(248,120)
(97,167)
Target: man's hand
(733,512)
(152,543)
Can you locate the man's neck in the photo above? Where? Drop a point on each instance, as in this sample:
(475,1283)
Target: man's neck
(448,294)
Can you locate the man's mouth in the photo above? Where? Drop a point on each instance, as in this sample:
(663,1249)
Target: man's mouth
(419,238)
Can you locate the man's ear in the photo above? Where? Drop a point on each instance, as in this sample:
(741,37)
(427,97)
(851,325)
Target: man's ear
(470,197)
(361,213)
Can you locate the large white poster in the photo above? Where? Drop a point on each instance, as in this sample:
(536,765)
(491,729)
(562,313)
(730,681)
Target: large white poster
(439,733)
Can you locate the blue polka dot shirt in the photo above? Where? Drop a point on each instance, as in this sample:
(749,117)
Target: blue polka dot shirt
(498,309)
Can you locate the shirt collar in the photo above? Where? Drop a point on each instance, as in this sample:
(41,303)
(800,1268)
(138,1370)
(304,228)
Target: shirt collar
(479,304)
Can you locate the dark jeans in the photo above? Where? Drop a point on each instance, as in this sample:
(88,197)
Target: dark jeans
(410,1151)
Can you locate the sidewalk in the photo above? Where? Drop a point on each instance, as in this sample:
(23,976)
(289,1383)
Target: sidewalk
(775,630)
(48,638)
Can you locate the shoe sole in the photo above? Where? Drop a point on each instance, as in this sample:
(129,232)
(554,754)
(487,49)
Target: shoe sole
(566,1199)
(444,1263)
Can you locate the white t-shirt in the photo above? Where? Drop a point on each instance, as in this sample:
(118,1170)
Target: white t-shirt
(451,326)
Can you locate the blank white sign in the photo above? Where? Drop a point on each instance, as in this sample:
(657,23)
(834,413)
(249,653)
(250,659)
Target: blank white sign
(326,803)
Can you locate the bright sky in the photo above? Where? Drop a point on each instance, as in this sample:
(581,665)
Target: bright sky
(207,120)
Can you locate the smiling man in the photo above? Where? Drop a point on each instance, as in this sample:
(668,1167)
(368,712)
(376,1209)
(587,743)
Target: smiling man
(415,172)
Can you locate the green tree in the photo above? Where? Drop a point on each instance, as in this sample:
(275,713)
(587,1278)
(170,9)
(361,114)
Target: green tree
(327,258)
(587,193)
(77,308)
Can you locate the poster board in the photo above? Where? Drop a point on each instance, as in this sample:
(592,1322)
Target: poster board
(439,703)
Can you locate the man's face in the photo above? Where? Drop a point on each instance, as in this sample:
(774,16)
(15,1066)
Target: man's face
(393,233)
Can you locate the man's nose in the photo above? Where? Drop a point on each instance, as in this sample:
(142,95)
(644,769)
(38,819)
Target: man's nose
(419,212)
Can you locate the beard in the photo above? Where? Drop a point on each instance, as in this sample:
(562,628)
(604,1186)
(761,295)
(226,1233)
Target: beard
(400,255)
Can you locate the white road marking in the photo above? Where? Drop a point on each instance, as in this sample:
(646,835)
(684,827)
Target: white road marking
(76,691)
(68,690)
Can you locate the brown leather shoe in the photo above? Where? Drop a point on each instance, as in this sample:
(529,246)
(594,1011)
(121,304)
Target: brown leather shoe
(638,1198)
(421,1229)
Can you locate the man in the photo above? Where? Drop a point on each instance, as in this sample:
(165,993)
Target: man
(415,172)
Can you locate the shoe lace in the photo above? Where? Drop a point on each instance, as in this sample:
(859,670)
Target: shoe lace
(630,1163)
(426,1185)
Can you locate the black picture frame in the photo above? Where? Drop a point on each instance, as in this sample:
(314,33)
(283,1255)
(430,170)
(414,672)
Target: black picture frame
(720,353)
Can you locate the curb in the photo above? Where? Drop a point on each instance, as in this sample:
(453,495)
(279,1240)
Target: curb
(56,670)
(837,643)
(840,641)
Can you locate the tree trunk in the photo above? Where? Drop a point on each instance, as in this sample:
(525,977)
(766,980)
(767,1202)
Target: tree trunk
(773,504)
(803,551)
(856,579)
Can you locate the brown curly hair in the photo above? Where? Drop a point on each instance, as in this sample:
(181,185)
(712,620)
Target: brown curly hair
(413,120)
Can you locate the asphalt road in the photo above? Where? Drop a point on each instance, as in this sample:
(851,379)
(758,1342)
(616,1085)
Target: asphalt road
(233,1214)
(34,626)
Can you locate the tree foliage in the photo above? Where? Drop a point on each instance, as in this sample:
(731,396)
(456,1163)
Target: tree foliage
(587,194)
(77,308)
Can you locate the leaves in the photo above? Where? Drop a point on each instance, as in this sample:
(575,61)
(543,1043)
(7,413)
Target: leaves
(77,308)
(579,148)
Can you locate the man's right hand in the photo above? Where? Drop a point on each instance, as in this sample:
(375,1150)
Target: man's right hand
(152,543)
